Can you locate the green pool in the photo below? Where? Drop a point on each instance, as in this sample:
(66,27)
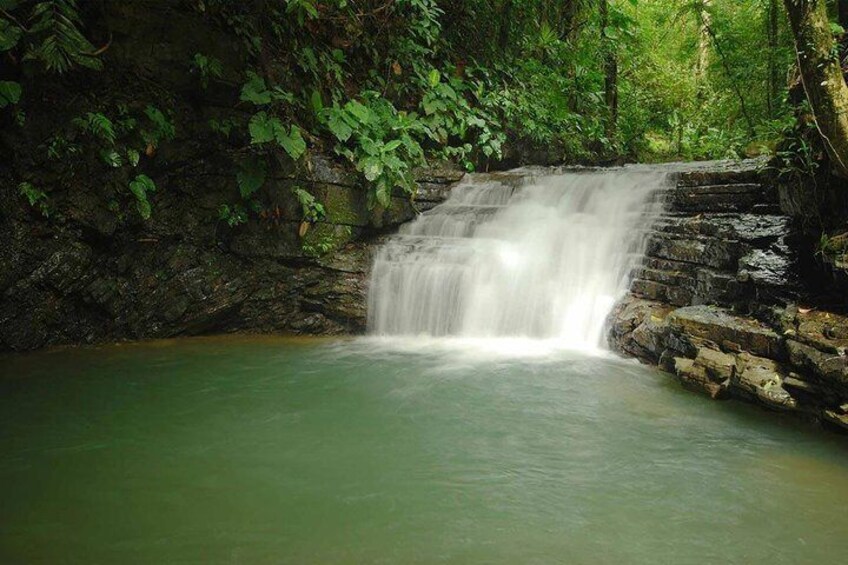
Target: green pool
(273,450)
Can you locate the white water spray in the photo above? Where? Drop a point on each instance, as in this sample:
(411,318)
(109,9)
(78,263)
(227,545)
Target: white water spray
(517,255)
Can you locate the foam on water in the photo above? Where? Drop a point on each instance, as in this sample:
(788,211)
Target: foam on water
(517,256)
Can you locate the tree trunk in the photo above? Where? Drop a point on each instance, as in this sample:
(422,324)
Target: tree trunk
(821,75)
(610,73)
(772,30)
(506,21)
(568,15)
(703,42)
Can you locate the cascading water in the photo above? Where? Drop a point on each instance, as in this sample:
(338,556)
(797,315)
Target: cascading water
(517,255)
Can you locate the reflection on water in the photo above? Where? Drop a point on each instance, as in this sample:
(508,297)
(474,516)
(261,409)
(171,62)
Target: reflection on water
(268,450)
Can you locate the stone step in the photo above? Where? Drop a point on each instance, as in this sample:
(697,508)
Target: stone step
(743,197)
(712,204)
(675,278)
(758,228)
(734,188)
(659,264)
(722,173)
(705,286)
(716,253)
(668,294)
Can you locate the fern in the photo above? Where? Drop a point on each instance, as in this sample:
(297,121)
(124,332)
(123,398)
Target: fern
(162,127)
(312,209)
(209,67)
(37,198)
(60,44)
(97,125)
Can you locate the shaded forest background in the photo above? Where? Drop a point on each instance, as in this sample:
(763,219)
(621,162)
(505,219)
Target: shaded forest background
(385,85)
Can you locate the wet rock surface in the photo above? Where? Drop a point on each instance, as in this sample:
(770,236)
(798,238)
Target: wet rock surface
(714,351)
(714,301)
(79,279)
(95,271)
(722,240)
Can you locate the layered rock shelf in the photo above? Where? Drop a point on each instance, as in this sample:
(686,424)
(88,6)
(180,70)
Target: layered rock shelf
(716,299)
(79,279)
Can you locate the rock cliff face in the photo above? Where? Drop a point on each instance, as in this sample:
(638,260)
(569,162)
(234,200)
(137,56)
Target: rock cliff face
(75,279)
(95,271)
(716,300)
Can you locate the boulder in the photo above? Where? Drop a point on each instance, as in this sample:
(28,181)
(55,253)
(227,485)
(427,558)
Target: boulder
(637,327)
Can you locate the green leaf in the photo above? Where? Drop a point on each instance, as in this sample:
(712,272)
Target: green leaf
(98,125)
(141,185)
(36,198)
(164,128)
(312,209)
(293,143)
(111,158)
(262,127)
(338,126)
(10,93)
(384,193)
(371,167)
(316,101)
(10,34)
(32,194)
(432,105)
(251,176)
(369,146)
(58,42)
(434,77)
(392,145)
(359,111)
(143,207)
(255,90)
(279,94)
(133,157)
(393,163)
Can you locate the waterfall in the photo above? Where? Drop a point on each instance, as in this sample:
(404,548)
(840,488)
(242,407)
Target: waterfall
(517,254)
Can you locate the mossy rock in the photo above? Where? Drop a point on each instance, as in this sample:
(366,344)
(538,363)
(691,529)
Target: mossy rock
(323,238)
(343,205)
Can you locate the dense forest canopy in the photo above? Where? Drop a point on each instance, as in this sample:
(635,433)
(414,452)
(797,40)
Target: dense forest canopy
(386,84)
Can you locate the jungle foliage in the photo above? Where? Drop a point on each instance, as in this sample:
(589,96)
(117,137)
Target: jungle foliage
(388,84)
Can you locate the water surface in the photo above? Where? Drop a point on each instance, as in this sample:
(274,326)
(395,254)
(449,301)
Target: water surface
(260,450)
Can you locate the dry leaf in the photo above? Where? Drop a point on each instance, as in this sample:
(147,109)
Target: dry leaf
(304,227)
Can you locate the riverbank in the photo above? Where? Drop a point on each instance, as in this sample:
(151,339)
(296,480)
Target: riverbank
(729,299)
